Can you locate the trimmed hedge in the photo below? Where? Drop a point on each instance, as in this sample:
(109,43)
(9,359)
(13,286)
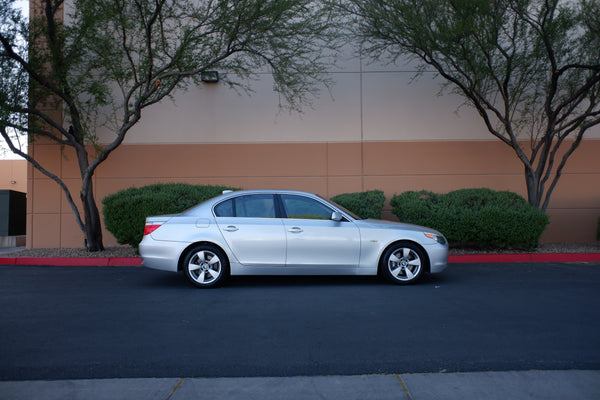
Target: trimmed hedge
(367,204)
(480,218)
(125,212)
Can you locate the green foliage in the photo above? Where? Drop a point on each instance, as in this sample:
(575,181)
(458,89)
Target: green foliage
(480,218)
(530,68)
(125,212)
(116,58)
(367,204)
(13,85)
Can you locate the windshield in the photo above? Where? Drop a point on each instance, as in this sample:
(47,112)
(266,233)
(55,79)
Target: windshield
(350,213)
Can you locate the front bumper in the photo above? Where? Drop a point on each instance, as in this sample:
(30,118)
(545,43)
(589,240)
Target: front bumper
(438,258)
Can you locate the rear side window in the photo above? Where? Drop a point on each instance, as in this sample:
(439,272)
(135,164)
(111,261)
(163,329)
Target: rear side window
(250,206)
(224,209)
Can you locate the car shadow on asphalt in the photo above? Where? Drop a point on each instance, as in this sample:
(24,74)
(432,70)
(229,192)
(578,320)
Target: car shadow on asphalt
(295,280)
(179,280)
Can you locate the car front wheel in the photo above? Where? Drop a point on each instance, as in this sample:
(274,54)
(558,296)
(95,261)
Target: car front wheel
(205,266)
(403,263)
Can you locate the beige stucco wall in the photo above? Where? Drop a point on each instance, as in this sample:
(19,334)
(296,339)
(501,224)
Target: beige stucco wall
(325,168)
(374,128)
(13,175)
(360,106)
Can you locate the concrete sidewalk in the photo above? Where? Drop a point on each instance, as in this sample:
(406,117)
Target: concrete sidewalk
(513,385)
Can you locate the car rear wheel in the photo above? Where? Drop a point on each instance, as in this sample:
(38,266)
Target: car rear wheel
(205,266)
(403,263)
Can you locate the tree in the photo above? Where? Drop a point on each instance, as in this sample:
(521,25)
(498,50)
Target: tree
(531,68)
(115,58)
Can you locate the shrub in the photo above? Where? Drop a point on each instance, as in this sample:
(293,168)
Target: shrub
(367,204)
(125,212)
(480,218)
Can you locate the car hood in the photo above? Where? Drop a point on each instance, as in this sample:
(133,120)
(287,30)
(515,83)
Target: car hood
(382,224)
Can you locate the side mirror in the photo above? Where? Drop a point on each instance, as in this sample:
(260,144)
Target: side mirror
(336,216)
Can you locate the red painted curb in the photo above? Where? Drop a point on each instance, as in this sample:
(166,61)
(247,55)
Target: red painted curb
(124,261)
(567,257)
(73,262)
(62,261)
(526,257)
(488,258)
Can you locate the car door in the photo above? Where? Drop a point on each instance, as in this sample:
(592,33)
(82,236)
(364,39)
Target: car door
(252,231)
(314,239)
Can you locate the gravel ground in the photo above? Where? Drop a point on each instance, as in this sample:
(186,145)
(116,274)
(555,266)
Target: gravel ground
(77,252)
(125,251)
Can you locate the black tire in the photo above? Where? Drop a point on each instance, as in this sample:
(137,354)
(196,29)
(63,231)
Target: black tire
(205,266)
(403,263)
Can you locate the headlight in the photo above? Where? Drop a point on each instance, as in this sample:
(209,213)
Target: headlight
(438,238)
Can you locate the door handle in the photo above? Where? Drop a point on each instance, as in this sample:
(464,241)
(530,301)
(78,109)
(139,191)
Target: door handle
(231,228)
(295,230)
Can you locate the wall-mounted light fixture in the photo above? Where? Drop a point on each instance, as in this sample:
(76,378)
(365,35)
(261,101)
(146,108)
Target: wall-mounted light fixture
(209,76)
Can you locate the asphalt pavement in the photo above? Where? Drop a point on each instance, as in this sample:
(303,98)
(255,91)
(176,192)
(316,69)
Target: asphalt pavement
(561,384)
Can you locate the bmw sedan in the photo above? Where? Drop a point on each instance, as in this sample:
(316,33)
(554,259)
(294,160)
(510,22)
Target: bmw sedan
(278,232)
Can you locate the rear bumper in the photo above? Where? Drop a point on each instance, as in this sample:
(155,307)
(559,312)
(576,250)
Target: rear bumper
(161,255)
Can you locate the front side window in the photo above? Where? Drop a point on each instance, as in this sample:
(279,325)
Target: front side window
(305,208)
(250,206)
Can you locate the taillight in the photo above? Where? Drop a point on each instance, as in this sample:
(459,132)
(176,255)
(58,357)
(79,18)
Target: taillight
(148,229)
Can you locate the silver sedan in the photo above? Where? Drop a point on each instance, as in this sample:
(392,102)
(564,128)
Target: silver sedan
(278,232)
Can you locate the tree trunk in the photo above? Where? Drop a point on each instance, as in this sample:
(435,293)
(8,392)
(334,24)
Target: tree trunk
(533,190)
(93,227)
(92,223)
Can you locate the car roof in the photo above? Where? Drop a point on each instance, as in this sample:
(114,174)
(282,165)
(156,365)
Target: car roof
(227,195)
(264,191)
